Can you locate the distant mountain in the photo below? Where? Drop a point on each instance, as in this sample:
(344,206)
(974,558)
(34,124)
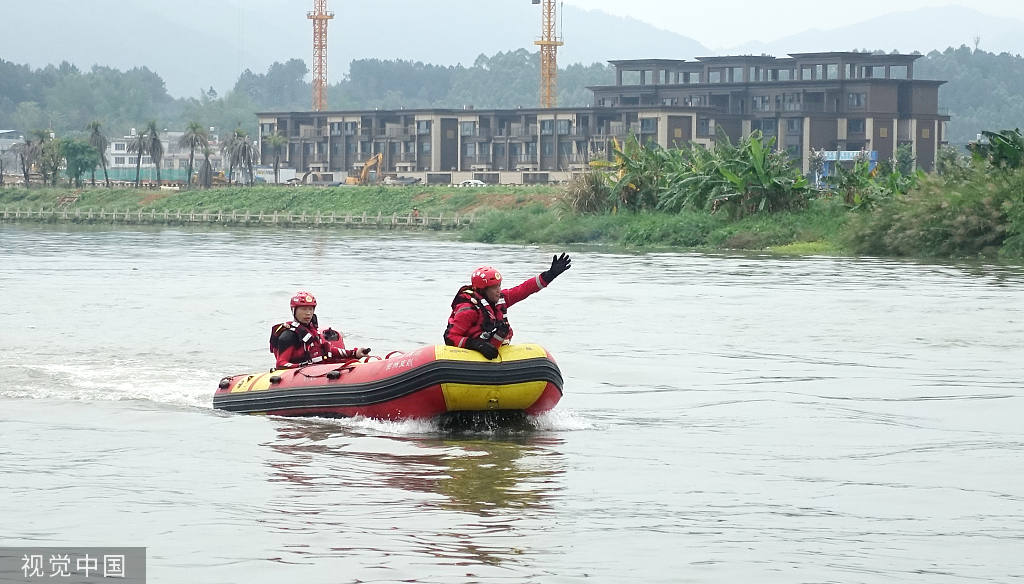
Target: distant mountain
(921,30)
(196,44)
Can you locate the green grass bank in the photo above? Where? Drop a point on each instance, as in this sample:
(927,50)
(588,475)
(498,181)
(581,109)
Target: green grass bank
(310,200)
(978,214)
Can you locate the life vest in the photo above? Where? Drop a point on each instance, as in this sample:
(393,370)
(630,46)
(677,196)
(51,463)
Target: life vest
(492,322)
(314,348)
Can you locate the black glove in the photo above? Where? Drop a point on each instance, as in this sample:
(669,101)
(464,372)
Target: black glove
(559,264)
(484,348)
(331,335)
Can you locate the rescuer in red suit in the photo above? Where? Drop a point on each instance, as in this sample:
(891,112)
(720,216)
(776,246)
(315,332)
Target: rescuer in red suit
(299,342)
(478,318)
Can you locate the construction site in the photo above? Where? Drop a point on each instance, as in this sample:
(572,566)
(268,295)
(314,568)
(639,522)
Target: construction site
(837,102)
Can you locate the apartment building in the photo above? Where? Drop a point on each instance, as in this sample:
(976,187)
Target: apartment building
(495,146)
(808,101)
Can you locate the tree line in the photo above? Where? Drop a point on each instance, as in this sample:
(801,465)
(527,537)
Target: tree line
(42,153)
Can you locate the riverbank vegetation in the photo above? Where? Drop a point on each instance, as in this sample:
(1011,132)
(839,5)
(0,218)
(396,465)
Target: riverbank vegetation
(731,196)
(372,200)
(748,196)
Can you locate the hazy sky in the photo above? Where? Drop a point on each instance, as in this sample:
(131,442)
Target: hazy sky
(724,23)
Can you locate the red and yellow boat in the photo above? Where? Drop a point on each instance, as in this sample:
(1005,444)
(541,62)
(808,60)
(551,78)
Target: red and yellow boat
(428,382)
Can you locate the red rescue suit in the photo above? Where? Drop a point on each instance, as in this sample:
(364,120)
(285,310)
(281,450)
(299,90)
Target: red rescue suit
(473,317)
(295,344)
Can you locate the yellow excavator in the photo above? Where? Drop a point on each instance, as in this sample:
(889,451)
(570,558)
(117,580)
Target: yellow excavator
(364,176)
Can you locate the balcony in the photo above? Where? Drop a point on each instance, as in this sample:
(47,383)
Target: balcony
(522,130)
(526,158)
(398,132)
(312,132)
(579,131)
(621,129)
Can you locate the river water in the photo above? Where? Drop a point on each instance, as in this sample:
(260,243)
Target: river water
(726,418)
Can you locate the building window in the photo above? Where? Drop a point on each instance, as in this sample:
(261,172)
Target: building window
(410,147)
(783,74)
(146,160)
(631,78)
(752,74)
(350,148)
(897,72)
(670,101)
(548,147)
(118,160)
(794,125)
(737,75)
(762,103)
(832,71)
(469,150)
(563,126)
(856,126)
(547,127)
(119,146)
(694,77)
(704,126)
(351,128)
(848,72)
(818,69)
(806,74)
(765,125)
(714,76)
(395,148)
(424,147)
(467,128)
(858,100)
(133,160)
(499,150)
(648,125)
(423,127)
(878,72)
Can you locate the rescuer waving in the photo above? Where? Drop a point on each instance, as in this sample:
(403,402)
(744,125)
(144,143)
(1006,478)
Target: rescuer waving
(478,319)
(299,342)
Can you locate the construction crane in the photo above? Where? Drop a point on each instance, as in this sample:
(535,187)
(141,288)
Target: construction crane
(319,16)
(549,42)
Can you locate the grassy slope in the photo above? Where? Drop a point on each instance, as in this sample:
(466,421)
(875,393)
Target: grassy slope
(822,224)
(505,214)
(311,200)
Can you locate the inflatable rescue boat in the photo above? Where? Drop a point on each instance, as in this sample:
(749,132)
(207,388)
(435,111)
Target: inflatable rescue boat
(425,383)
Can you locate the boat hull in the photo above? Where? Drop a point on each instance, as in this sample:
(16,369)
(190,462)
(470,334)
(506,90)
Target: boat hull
(425,383)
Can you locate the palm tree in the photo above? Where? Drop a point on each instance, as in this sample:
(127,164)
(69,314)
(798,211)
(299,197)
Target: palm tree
(275,141)
(29,152)
(194,137)
(99,142)
(138,146)
(245,152)
(40,151)
(229,151)
(205,175)
(155,148)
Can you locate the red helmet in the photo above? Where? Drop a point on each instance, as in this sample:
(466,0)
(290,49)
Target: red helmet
(486,276)
(303,299)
